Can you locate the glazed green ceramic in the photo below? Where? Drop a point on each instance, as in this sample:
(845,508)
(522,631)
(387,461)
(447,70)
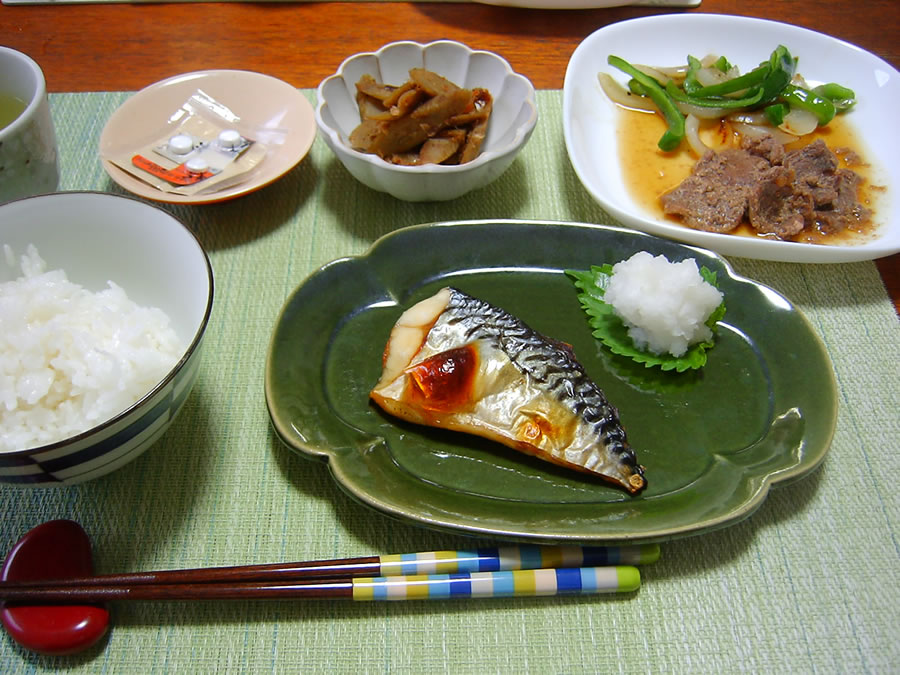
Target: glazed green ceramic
(713,441)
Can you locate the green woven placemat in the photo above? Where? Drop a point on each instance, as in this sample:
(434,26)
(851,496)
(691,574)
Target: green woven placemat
(808,584)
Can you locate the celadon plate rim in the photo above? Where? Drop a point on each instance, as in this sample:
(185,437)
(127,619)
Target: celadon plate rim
(302,404)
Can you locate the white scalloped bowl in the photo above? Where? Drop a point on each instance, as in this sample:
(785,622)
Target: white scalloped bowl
(512,120)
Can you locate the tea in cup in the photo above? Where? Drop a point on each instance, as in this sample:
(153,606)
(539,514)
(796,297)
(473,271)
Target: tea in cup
(28,153)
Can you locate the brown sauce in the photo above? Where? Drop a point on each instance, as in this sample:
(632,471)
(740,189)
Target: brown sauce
(649,172)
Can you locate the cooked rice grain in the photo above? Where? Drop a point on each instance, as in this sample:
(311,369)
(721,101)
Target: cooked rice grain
(70,358)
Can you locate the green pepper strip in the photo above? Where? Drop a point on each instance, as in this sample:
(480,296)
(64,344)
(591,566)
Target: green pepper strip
(781,70)
(636,87)
(674,119)
(729,103)
(776,112)
(772,77)
(799,97)
(690,80)
(842,97)
(722,64)
(751,79)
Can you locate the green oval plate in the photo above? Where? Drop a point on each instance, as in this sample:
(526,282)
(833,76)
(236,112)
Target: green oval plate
(761,411)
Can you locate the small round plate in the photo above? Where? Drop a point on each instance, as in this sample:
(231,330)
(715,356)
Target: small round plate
(259,100)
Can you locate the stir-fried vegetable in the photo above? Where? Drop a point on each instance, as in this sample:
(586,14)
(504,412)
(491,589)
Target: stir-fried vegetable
(675,133)
(841,97)
(798,97)
(713,88)
(715,101)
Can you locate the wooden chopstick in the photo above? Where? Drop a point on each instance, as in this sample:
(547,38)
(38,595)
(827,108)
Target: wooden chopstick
(93,594)
(437,574)
(274,572)
(479,560)
(504,583)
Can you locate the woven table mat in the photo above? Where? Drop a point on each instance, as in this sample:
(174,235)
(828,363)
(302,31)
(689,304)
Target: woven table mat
(808,583)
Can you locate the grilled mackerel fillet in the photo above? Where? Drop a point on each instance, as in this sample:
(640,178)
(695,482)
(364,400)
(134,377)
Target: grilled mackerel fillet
(457,362)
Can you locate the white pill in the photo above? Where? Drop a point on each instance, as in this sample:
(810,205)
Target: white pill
(230,138)
(197,165)
(181,144)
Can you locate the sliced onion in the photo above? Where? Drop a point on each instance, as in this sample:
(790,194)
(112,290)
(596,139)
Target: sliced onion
(740,93)
(757,131)
(653,72)
(710,76)
(799,122)
(618,94)
(702,112)
(799,81)
(677,73)
(674,73)
(692,134)
(758,118)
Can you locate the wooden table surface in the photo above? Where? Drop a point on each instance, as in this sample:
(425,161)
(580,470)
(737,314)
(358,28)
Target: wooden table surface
(121,47)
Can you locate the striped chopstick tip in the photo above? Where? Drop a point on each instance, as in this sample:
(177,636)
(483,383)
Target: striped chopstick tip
(526,556)
(498,584)
(629,578)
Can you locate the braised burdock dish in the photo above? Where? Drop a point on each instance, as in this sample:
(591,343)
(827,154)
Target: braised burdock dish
(426,120)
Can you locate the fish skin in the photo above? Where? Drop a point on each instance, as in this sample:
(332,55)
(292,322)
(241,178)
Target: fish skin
(548,378)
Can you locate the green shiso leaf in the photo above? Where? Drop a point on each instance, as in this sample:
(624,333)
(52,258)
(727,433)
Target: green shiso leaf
(612,332)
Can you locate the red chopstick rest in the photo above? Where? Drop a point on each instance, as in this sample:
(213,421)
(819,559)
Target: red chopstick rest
(57,549)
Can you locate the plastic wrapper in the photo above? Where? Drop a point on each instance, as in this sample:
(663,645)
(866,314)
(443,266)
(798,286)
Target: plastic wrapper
(202,148)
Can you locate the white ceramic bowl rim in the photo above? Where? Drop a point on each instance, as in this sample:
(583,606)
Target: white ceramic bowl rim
(483,158)
(188,352)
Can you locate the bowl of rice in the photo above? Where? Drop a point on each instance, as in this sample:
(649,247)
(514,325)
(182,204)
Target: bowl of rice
(104,300)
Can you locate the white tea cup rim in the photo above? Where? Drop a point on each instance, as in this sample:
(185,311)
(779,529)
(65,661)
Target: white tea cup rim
(7,54)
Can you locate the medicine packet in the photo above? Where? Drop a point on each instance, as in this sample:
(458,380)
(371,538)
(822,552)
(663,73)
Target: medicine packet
(202,148)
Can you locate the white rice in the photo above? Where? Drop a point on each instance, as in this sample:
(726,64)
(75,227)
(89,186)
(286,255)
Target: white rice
(664,305)
(70,358)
